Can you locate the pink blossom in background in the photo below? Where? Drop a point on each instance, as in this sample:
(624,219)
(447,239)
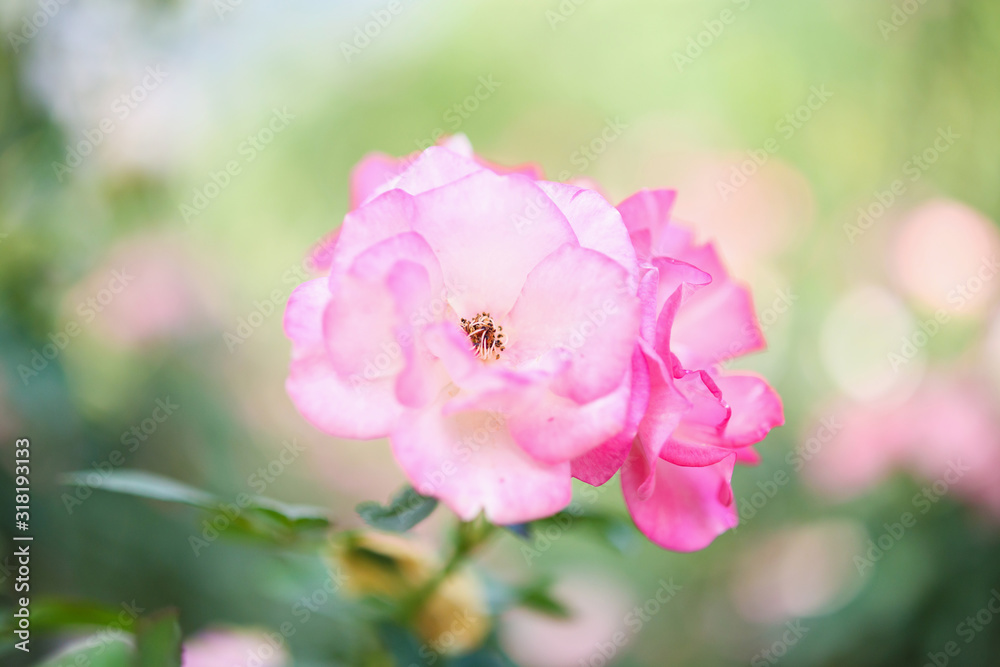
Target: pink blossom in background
(599,610)
(508,333)
(233,648)
(755,217)
(947,255)
(150,288)
(798,571)
(947,432)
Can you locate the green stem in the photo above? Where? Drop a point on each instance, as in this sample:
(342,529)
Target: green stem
(469,536)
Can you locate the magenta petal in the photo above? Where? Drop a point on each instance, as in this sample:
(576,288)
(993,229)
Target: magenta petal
(471,463)
(667,405)
(647,210)
(718,322)
(756,408)
(689,506)
(748,456)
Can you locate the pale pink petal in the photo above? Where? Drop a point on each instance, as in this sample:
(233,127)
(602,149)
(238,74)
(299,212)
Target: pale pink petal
(360,408)
(717,323)
(471,463)
(597,224)
(384,216)
(552,428)
(471,226)
(433,168)
(689,507)
(371,174)
(574,302)
(303,316)
(360,329)
(601,463)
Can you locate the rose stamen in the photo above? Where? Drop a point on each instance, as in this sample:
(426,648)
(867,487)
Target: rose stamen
(488,340)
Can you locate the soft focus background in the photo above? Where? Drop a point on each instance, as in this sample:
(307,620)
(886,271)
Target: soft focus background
(165,168)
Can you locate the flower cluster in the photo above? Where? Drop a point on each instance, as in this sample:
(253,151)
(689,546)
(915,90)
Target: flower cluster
(508,334)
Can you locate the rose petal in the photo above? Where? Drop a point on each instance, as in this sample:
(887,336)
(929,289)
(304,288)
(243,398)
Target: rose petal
(689,507)
(470,461)
(574,303)
(470,224)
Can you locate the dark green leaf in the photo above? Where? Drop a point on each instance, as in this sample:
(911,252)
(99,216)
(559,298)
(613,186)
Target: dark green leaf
(407,509)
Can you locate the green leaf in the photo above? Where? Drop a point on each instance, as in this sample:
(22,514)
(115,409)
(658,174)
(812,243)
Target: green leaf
(93,651)
(144,485)
(258,516)
(614,531)
(158,640)
(537,597)
(407,509)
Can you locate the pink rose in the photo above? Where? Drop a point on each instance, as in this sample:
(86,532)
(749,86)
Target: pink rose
(508,333)
(698,420)
(484,322)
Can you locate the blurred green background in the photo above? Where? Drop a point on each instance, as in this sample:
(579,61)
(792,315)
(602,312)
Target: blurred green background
(152,271)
